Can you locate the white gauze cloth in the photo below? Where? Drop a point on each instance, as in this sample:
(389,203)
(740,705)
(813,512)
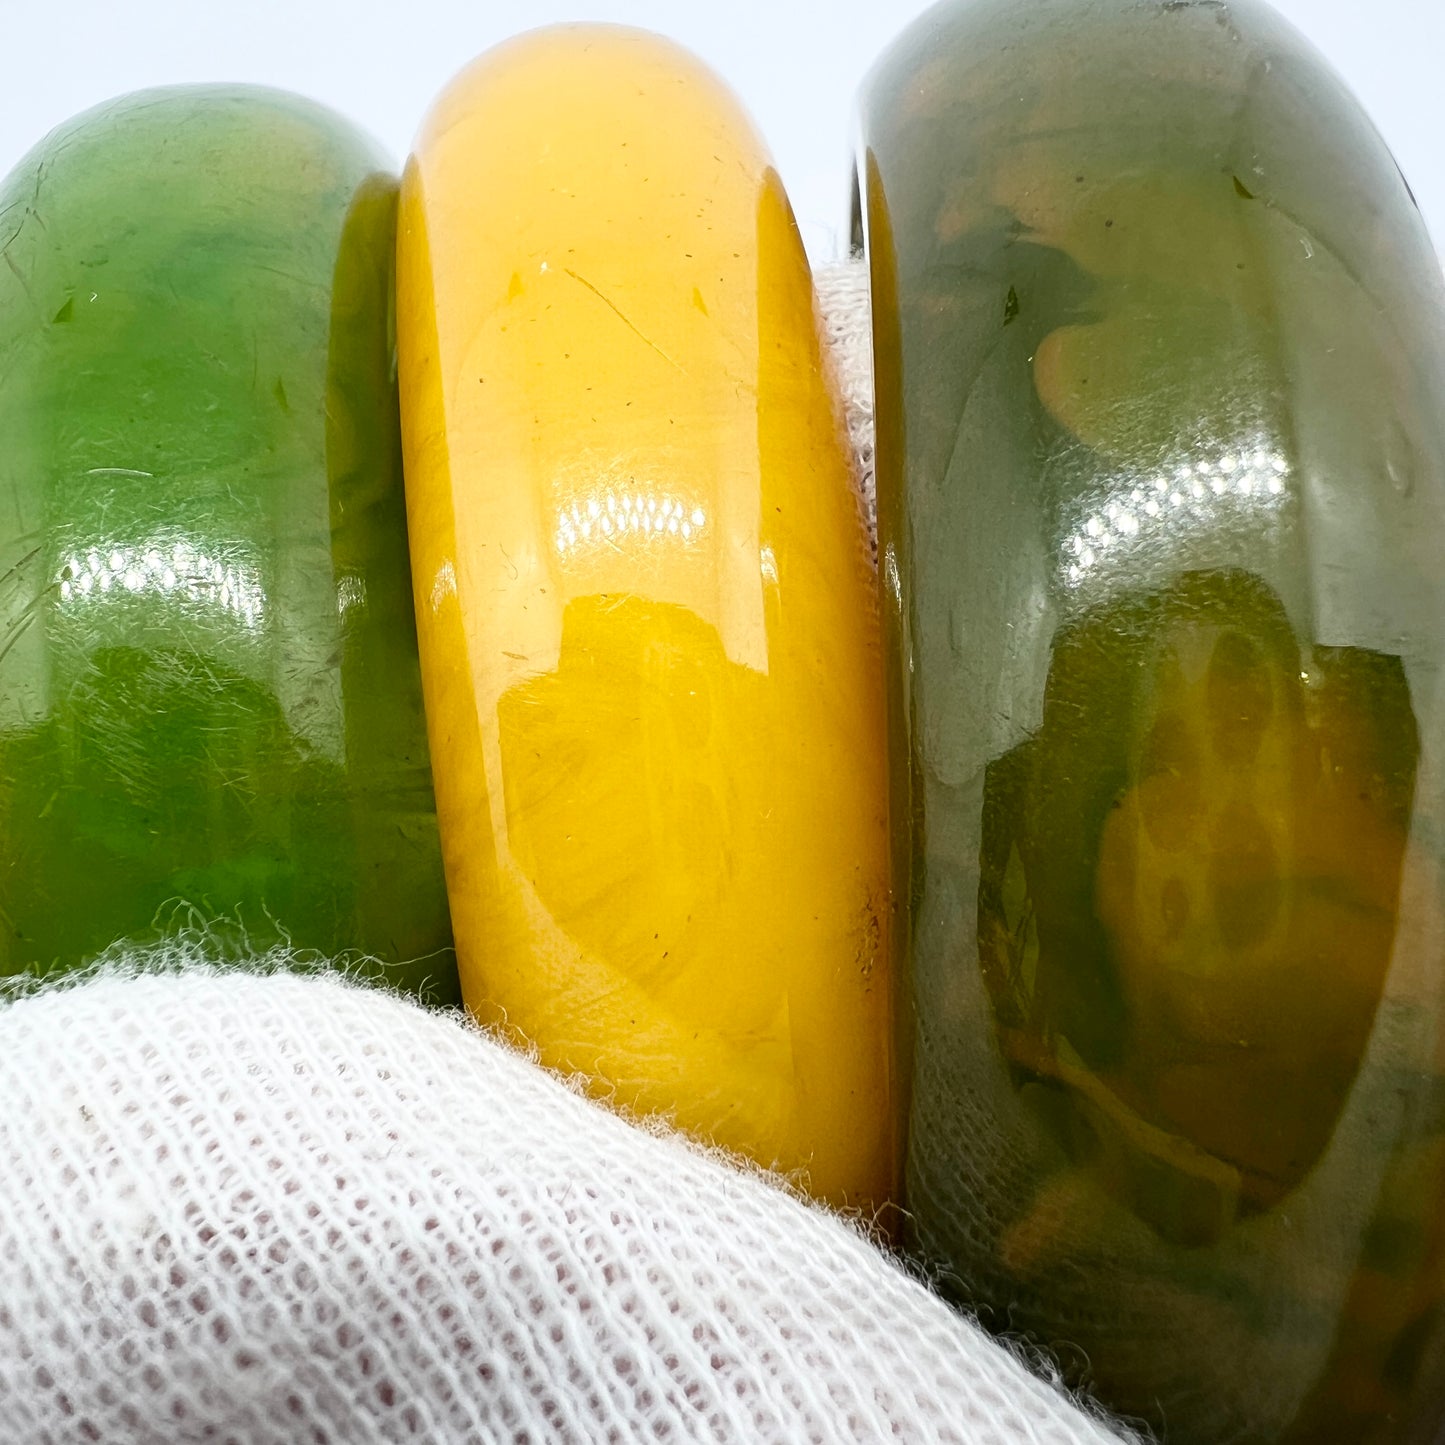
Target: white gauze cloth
(268,1210)
(263,1209)
(845,313)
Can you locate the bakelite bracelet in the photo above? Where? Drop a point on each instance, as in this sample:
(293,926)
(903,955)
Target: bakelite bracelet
(1159,358)
(210,705)
(648,625)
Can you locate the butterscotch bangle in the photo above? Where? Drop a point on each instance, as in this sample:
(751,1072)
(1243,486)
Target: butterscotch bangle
(648,630)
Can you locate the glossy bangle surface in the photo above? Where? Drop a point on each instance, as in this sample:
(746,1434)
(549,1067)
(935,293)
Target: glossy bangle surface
(1161,459)
(210,707)
(648,631)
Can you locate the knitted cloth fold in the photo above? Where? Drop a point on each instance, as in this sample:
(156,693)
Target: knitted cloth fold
(257,1208)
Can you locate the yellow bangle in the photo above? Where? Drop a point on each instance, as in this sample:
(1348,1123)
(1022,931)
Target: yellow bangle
(647,620)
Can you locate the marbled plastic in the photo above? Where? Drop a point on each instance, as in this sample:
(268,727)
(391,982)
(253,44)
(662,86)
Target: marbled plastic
(649,632)
(210,708)
(1161,451)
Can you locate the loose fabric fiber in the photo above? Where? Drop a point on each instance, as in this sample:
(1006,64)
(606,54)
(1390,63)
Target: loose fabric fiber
(845,312)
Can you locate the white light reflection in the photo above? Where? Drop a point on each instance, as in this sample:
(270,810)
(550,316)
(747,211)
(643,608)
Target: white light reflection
(609,517)
(1238,487)
(350,593)
(172,568)
(444,584)
(891,579)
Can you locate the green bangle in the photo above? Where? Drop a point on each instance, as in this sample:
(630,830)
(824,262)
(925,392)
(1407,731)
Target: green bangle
(210,712)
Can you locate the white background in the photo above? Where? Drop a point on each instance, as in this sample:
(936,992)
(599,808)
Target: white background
(796,63)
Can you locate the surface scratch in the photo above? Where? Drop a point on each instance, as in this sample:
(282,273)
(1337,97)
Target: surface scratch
(622,316)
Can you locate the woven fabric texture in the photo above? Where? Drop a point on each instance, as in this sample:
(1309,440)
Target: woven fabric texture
(256,1209)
